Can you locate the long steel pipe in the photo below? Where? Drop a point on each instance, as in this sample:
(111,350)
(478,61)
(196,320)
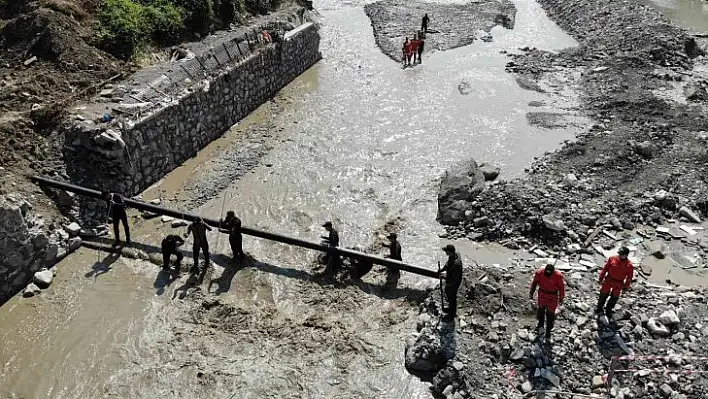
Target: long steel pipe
(140,205)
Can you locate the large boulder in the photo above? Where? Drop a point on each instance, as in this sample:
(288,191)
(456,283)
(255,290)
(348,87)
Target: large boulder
(424,353)
(490,172)
(460,185)
(43,278)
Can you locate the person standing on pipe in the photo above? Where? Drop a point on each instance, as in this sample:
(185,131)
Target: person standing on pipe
(233,226)
(453,279)
(551,292)
(169,247)
(199,228)
(116,211)
(615,277)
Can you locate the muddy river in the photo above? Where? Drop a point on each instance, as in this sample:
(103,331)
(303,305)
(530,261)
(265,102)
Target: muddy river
(362,143)
(690,14)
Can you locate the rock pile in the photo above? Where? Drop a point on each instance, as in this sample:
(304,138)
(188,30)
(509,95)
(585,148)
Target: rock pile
(495,328)
(27,244)
(641,163)
(458,188)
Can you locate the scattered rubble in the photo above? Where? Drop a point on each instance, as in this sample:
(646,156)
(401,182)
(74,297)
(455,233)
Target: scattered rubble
(495,328)
(31,290)
(639,172)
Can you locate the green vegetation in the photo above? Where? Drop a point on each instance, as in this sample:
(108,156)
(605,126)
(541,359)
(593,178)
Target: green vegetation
(127,26)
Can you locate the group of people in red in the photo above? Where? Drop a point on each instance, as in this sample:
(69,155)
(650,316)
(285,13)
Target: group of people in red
(413,48)
(615,277)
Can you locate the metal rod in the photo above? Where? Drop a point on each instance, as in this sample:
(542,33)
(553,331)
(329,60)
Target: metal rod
(227,51)
(390,263)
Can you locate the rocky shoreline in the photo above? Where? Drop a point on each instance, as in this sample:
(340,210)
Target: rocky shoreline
(637,177)
(493,351)
(645,156)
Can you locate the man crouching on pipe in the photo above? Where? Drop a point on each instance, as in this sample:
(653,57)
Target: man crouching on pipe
(551,292)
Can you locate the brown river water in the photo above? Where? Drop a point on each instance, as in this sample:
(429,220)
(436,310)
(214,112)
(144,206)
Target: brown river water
(360,142)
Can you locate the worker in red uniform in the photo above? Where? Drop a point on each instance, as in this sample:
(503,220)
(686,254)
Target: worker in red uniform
(406,52)
(421,45)
(414,48)
(551,292)
(615,276)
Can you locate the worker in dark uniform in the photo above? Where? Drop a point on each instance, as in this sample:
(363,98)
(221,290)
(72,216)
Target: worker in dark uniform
(199,228)
(453,279)
(169,247)
(424,24)
(394,247)
(332,239)
(116,211)
(233,226)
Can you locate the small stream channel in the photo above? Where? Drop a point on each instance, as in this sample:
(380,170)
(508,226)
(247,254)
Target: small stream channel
(367,143)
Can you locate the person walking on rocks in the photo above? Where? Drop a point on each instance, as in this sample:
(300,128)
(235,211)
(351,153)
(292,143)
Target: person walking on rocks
(169,247)
(116,211)
(424,23)
(453,279)
(233,226)
(615,277)
(551,292)
(199,228)
(332,239)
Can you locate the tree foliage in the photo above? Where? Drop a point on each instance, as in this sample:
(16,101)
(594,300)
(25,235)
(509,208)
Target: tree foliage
(128,25)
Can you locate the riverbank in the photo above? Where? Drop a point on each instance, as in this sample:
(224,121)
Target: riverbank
(636,177)
(154,136)
(647,102)
(357,154)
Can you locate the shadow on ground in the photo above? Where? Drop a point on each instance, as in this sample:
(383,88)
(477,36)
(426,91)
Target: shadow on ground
(389,290)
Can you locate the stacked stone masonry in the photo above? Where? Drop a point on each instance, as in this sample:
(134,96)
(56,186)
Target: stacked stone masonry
(158,143)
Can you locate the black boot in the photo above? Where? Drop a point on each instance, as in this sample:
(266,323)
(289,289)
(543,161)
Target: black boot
(609,310)
(540,315)
(601,303)
(550,322)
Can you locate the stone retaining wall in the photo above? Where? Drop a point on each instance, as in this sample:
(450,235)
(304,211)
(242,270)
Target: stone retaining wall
(23,245)
(158,143)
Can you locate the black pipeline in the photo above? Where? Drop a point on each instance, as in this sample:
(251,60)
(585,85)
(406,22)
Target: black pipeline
(144,206)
